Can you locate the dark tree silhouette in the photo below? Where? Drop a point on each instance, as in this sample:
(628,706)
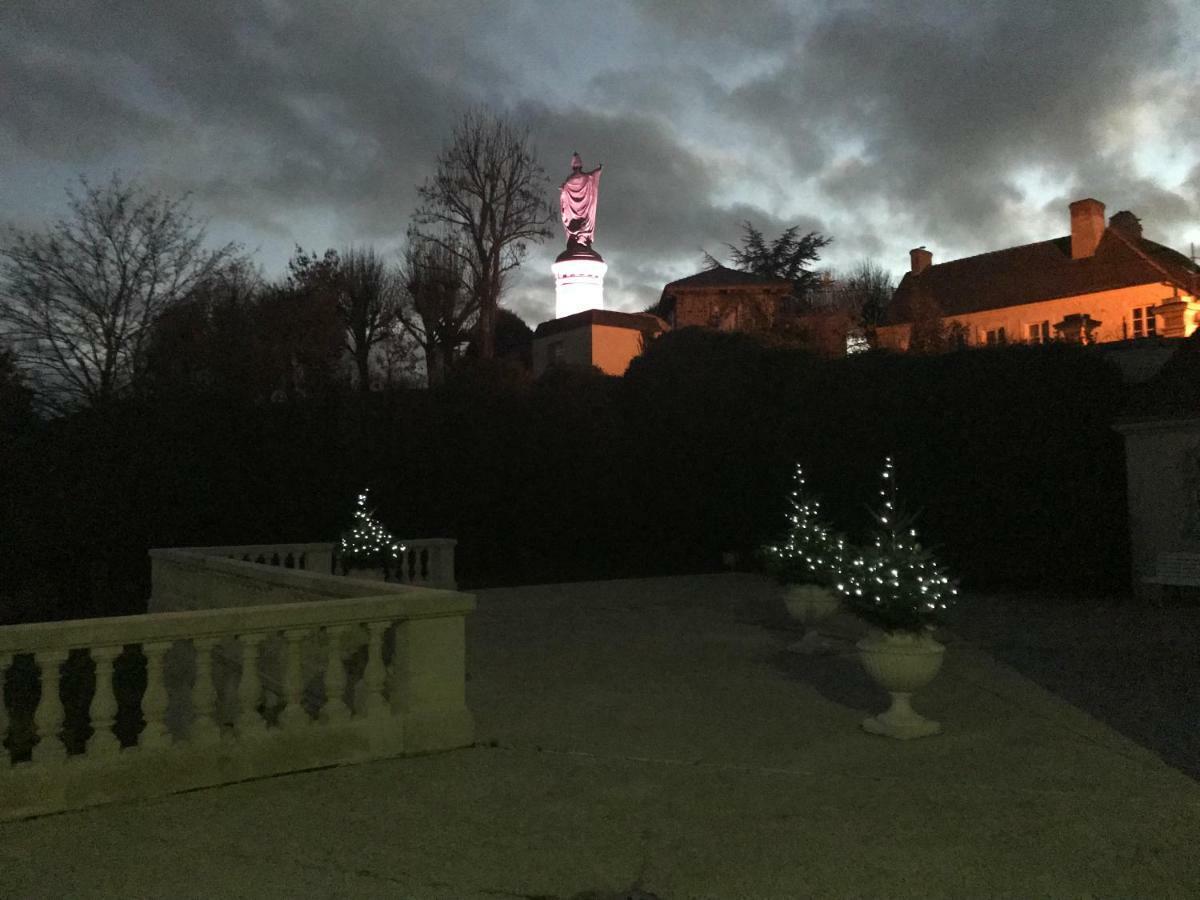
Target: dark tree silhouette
(483,205)
(437,307)
(209,341)
(80,299)
(789,256)
(927,333)
(366,294)
(16,398)
(869,289)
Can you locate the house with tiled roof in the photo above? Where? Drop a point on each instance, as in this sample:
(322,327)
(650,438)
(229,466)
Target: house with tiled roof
(725,299)
(1100,283)
(731,300)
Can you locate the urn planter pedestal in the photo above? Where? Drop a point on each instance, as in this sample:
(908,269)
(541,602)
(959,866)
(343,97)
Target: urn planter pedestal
(809,604)
(901,663)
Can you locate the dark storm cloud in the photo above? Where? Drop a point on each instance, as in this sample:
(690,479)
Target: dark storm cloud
(95,121)
(760,24)
(260,109)
(884,124)
(945,107)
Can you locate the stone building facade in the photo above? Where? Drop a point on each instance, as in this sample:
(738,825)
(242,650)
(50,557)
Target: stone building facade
(1101,283)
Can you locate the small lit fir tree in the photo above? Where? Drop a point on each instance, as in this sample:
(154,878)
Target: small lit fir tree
(896,584)
(367,543)
(811,553)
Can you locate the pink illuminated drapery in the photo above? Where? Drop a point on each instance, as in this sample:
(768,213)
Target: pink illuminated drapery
(578,204)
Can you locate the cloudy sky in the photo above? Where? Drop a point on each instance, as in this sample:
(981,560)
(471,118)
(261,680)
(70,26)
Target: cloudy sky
(963,126)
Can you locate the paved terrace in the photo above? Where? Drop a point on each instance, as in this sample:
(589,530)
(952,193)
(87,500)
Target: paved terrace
(653,738)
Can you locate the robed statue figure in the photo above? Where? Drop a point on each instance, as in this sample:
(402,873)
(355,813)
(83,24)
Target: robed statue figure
(578,202)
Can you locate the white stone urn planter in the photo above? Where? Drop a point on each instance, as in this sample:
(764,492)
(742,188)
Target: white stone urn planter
(809,604)
(901,662)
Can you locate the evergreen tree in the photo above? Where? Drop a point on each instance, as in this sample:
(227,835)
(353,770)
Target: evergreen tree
(790,256)
(367,542)
(811,552)
(896,584)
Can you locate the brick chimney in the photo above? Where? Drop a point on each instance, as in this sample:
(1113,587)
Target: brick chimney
(922,259)
(1087,227)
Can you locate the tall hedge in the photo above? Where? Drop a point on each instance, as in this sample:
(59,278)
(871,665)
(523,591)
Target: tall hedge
(1008,454)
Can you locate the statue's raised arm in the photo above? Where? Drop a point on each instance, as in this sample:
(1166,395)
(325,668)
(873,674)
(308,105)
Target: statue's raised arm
(578,202)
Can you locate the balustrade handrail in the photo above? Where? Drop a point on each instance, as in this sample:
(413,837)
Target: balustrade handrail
(412,603)
(428,562)
(257,670)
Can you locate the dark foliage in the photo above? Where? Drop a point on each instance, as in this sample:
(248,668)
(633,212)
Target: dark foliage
(1007,453)
(790,256)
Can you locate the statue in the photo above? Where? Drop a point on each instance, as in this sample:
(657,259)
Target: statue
(578,203)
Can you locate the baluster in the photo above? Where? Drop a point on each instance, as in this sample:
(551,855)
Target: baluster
(293,715)
(156,735)
(206,722)
(5,661)
(335,709)
(49,716)
(375,674)
(103,741)
(249,722)
(435,567)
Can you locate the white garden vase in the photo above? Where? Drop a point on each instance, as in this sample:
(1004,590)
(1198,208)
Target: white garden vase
(809,604)
(901,663)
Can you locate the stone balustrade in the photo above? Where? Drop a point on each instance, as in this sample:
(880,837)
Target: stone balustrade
(321,670)
(424,562)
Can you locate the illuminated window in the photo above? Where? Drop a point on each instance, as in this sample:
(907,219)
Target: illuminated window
(1039,332)
(1145,323)
(995,336)
(857,343)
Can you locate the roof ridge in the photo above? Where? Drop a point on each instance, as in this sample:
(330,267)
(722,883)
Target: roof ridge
(1001,250)
(1171,277)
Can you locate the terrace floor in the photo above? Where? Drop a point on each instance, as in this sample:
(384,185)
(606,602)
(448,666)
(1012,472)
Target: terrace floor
(654,738)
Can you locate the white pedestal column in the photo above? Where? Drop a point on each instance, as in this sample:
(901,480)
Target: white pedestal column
(578,285)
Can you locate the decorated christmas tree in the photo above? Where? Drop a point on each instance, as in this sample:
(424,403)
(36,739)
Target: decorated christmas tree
(895,583)
(367,543)
(811,553)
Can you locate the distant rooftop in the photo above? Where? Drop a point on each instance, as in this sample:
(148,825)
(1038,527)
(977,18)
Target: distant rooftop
(645,322)
(1044,271)
(721,276)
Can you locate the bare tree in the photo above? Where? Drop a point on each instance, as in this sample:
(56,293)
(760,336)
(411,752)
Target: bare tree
(869,287)
(368,305)
(438,306)
(489,189)
(366,294)
(79,300)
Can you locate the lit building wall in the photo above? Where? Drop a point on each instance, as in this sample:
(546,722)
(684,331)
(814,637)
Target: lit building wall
(613,349)
(1115,310)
